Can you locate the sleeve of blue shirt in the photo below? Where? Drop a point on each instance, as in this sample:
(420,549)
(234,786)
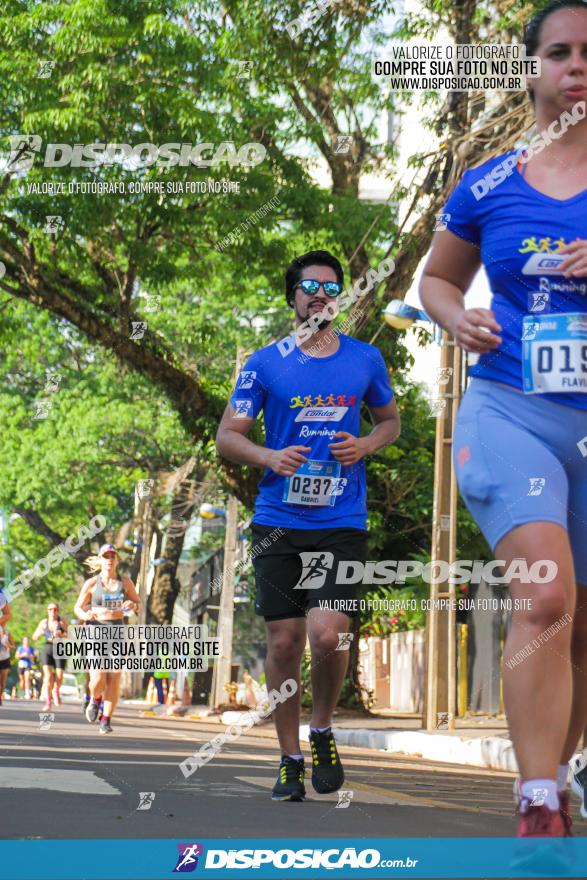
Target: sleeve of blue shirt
(462,209)
(379,391)
(250,391)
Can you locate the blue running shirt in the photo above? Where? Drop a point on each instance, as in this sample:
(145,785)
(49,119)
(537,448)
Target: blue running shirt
(305,400)
(518,229)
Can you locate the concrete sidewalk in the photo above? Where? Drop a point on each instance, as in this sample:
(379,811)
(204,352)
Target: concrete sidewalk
(478,741)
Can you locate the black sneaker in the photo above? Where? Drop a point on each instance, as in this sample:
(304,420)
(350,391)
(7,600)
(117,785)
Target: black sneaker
(92,712)
(290,782)
(327,772)
(85,705)
(579,780)
(105,726)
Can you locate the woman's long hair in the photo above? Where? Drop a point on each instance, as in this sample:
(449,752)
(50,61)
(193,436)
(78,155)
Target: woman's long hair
(94,563)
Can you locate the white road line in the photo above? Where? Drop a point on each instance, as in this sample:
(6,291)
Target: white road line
(249,765)
(71,781)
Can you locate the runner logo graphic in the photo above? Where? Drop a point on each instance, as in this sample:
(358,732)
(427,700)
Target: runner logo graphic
(440,223)
(442,720)
(344,641)
(538,797)
(146,799)
(344,799)
(315,567)
(246,379)
(343,144)
(23,148)
(187,860)
(339,486)
(45,69)
(138,329)
(46,719)
(54,224)
(242,408)
(444,375)
(539,302)
(537,484)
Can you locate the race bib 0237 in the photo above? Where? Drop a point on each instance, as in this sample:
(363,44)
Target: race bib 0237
(313,484)
(554,353)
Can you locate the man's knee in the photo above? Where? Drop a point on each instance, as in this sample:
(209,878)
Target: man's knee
(286,647)
(324,642)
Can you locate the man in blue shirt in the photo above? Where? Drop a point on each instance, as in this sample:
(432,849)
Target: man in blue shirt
(311,510)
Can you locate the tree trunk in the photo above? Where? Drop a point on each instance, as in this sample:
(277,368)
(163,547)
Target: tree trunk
(166,586)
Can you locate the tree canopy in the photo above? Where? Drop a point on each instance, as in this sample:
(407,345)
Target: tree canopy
(136,300)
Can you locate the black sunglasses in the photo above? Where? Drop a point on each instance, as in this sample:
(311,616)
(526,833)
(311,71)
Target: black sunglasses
(311,287)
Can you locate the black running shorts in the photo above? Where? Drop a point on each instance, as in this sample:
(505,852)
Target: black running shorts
(47,658)
(288,583)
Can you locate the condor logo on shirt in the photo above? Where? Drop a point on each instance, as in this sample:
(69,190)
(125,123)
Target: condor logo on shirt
(321,414)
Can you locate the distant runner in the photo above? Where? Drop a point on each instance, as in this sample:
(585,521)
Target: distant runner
(52,626)
(105,599)
(25,655)
(6,646)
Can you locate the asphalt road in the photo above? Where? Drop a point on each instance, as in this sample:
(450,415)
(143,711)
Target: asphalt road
(69,781)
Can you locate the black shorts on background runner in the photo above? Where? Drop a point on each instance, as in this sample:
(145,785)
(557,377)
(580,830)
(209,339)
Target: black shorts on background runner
(48,659)
(279,568)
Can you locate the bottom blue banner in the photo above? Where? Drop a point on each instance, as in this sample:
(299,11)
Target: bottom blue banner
(293,857)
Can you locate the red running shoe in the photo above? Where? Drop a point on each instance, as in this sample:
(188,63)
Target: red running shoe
(565,811)
(541,822)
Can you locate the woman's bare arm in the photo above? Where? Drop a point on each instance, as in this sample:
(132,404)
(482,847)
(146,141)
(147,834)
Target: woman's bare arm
(84,601)
(448,273)
(39,630)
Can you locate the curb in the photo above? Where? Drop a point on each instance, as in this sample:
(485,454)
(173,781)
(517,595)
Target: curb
(491,752)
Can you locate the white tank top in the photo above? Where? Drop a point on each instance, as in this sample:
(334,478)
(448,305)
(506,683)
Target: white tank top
(4,651)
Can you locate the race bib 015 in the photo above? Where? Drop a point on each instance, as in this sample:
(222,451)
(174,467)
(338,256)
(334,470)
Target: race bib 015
(554,353)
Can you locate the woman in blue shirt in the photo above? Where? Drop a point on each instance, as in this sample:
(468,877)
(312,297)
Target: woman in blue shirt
(520,446)
(25,654)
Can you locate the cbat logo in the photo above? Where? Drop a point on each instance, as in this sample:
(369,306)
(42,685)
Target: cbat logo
(577,325)
(187,860)
(541,264)
(315,566)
